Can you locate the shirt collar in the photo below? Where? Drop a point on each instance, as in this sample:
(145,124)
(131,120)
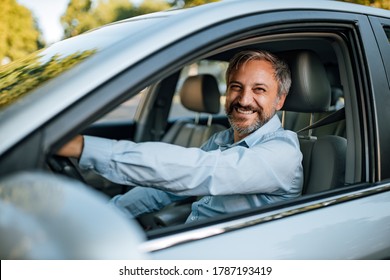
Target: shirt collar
(227,139)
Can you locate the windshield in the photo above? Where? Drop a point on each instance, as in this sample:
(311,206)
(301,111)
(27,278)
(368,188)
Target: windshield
(20,77)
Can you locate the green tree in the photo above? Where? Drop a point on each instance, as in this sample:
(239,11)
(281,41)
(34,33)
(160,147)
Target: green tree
(19,34)
(384,4)
(113,10)
(150,6)
(81,15)
(190,3)
(78,18)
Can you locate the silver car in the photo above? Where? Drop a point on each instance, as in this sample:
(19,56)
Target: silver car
(122,81)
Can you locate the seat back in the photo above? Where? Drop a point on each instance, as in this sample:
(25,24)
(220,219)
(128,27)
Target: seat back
(324,161)
(323,157)
(296,121)
(199,94)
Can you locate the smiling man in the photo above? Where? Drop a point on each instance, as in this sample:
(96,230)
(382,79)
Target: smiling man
(253,93)
(255,162)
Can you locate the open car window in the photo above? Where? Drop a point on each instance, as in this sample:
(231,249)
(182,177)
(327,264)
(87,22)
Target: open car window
(213,67)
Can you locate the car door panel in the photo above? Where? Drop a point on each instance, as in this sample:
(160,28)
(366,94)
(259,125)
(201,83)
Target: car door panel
(354,229)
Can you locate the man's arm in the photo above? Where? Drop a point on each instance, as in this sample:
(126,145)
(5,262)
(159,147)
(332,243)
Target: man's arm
(269,167)
(73,148)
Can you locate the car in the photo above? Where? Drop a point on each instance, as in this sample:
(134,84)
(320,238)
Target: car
(123,80)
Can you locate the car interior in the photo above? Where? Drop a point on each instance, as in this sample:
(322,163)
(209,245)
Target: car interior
(314,109)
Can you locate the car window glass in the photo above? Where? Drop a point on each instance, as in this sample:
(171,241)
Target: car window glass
(387,31)
(125,111)
(20,78)
(215,68)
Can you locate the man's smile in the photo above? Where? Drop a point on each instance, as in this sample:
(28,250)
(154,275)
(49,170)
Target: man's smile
(244,111)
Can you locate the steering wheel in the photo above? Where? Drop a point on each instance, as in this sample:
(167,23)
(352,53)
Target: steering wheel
(69,167)
(64,165)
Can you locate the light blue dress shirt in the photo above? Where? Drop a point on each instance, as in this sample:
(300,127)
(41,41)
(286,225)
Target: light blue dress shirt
(263,168)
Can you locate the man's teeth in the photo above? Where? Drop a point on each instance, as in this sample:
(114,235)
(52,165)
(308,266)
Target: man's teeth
(243,111)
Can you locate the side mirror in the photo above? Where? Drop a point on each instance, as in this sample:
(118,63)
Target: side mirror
(46,216)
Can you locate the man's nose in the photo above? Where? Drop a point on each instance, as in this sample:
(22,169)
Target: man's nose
(246,97)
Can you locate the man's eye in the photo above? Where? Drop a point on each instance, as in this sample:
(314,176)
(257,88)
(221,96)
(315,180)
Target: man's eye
(235,87)
(259,90)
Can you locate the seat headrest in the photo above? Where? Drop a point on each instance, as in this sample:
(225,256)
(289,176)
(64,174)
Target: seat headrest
(201,94)
(310,90)
(335,84)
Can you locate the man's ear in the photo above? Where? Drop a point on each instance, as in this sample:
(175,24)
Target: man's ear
(280,101)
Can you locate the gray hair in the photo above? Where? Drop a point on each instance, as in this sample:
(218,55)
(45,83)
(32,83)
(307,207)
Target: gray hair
(282,72)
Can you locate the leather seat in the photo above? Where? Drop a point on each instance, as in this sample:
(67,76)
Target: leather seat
(199,94)
(296,121)
(323,157)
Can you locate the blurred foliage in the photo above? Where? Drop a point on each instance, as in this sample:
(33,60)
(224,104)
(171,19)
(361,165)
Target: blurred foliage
(189,3)
(83,15)
(19,33)
(21,76)
(77,18)
(384,4)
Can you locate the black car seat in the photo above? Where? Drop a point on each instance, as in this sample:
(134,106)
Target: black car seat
(200,94)
(297,121)
(337,102)
(323,157)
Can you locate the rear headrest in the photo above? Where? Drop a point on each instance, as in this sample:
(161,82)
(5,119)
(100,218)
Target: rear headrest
(310,89)
(337,89)
(201,94)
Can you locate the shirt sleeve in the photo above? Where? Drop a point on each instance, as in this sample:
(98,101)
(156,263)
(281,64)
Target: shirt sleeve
(272,167)
(141,200)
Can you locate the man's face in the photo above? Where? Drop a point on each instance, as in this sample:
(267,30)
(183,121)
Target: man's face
(252,97)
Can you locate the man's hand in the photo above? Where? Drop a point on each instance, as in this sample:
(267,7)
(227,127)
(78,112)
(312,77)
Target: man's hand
(73,148)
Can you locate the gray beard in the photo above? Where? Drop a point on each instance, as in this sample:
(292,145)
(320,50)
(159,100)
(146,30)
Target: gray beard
(261,120)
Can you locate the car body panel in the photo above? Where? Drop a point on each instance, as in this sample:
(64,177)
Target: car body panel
(296,233)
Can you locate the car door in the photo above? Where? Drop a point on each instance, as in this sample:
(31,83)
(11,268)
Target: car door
(349,222)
